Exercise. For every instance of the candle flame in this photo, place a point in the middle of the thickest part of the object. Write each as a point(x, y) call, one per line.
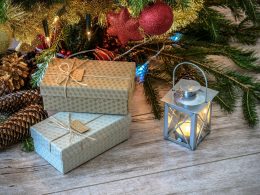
point(185, 128)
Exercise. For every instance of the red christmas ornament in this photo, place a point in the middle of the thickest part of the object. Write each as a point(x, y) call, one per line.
point(103, 54)
point(156, 19)
point(124, 27)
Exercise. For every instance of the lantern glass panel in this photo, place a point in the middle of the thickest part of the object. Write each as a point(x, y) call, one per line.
point(205, 113)
point(203, 123)
point(179, 126)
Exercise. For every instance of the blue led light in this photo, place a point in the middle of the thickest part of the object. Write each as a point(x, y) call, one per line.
point(176, 37)
point(141, 71)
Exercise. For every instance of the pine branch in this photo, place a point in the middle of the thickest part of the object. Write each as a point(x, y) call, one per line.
point(45, 57)
point(248, 6)
point(194, 50)
point(161, 77)
point(28, 145)
point(213, 26)
point(223, 104)
point(181, 3)
point(249, 108)
point(227, 96)
point(76, 38)
point(152, 96)
point(242, 58)
point(3, 16)
point(28, 4)
point(137, 5)
point(210, 21)
point(39, 74)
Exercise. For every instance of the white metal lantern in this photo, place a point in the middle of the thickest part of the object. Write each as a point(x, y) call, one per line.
point(187, 114)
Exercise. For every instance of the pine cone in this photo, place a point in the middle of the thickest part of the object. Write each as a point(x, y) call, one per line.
point(15, 101)
point(16, 128)
point(3, 118)
point(4, 88)
point(13, 71)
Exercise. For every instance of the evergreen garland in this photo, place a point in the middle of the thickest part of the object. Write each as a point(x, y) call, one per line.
point(28, 4)
point(3, 16)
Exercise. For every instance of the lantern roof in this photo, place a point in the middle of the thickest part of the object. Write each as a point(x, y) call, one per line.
point(193, 107)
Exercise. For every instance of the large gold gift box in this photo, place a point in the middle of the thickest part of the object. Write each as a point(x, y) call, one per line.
point(92, 86)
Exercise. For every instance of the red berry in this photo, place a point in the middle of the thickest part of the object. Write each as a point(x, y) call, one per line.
point(63, 52)
point(68, 53)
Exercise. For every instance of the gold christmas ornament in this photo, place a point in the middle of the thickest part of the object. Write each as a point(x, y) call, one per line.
point(185, 16)
point(5, 37)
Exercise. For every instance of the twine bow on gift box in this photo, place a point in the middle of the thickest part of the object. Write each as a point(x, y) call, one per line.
point(72, 72)
point(75, 127)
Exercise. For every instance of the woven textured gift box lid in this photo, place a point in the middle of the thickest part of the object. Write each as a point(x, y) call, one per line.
point(66, 151)
point(101, 79)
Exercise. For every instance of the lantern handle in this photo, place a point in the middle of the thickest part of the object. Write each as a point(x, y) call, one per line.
point(189, 63)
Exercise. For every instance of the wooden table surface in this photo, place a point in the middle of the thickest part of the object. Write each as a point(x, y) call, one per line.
point(227, 161)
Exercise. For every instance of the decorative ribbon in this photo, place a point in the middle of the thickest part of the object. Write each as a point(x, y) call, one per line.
point(69, 129)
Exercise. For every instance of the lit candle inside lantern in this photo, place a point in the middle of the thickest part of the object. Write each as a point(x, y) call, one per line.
point(184, 130)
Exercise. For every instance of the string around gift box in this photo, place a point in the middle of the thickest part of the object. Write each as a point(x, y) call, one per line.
point(68, 75)
point(69, 129)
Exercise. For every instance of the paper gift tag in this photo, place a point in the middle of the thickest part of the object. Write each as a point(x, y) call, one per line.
point(78, 74)
point(79, 126)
